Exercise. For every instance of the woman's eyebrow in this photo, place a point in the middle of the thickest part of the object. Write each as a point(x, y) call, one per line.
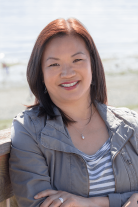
point(52, 58)
point(77, 54)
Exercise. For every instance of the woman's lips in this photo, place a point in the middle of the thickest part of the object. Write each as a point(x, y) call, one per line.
point(69, 82)
point(69, 85)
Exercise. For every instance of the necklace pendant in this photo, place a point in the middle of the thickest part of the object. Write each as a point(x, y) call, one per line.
point(82, 136)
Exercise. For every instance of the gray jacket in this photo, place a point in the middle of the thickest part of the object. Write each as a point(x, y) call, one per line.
point(44, 157)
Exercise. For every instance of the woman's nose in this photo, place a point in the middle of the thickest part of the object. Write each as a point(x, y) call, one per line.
point(67, 72)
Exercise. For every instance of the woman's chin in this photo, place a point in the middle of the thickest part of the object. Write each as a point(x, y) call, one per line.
point(72, 98)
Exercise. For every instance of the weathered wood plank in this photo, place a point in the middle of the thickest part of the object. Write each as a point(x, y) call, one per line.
point(8, 202)
point(6, 191)
point(5, 141)
point(12, 202)
point(5, 183)
point(3, 204)
point(5, 133)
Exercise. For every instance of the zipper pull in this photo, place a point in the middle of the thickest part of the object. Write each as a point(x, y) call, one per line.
point(126, 158)
point(129, 162)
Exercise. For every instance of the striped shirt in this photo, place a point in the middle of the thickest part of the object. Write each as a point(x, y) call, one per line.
point(99, 165)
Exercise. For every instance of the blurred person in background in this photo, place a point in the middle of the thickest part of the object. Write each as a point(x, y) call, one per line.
point(5, 67)
point(70, 148)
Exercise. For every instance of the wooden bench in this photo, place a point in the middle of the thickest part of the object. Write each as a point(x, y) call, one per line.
point(7, 198)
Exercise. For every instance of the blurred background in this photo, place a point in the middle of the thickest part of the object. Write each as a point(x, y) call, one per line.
point(113, 24)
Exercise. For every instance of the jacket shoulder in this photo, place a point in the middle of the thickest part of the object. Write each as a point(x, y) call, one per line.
point(32, 113)
point(129, 116)
point(29, 121)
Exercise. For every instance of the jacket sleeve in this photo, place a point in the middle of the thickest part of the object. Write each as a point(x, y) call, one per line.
point(119, 199)
point(27, 165)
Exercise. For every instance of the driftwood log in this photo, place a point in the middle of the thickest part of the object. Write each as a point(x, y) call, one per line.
point(7, 198)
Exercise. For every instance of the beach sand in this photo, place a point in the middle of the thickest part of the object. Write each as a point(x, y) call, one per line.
point(13, 101)
point(122, 91)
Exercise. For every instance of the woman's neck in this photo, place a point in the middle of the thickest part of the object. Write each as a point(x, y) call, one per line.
point(79, 110)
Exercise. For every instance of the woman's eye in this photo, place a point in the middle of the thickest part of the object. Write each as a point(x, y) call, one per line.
point(77, 60)
point(55, 64)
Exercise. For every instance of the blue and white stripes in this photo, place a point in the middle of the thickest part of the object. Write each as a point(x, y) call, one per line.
point(100, 171)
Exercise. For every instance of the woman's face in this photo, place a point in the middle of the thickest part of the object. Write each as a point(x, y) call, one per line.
point(66, 69)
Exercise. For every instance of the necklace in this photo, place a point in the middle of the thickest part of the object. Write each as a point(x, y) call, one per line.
point(82, 136)
point(81, 133)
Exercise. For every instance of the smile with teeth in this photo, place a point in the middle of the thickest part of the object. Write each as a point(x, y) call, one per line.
point(69, 85)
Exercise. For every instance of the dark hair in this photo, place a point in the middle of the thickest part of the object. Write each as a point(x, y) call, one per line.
point(34, 70)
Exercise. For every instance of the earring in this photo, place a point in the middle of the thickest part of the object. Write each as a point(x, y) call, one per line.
point(45, 91)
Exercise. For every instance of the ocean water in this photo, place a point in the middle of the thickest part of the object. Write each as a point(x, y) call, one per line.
point(113, 24)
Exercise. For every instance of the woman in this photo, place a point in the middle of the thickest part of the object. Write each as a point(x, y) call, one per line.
point(70, 149)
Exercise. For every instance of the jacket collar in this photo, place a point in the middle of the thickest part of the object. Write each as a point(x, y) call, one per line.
point(109, 118)
point(58, 122)
point(120, 131)
point(55, 131)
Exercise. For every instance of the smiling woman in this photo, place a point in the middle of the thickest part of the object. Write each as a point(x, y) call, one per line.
point(70, 148)
point(66, 67)
point(71, 39)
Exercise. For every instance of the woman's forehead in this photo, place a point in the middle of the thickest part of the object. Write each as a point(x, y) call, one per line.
point(67, 43)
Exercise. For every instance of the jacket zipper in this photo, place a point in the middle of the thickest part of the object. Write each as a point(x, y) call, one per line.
point(131, 169)
point(112, 163)
point(113, 170)
point(114, 159)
